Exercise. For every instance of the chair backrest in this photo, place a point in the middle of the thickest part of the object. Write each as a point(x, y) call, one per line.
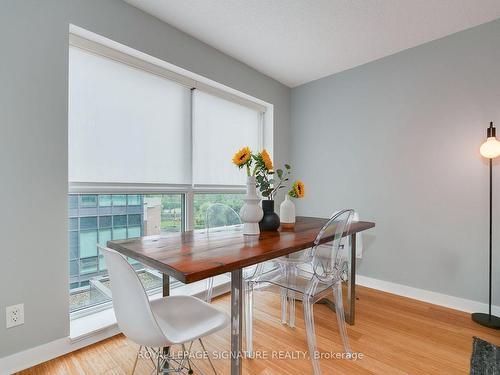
point(327, 255)
point(221, 217)
point(130, 301)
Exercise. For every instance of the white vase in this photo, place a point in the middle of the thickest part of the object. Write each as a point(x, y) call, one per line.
point(251, 213)
point(287, 213)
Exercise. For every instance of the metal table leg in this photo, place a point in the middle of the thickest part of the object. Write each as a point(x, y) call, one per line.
point(166, 293)
point(236, 320)
point(351, 291)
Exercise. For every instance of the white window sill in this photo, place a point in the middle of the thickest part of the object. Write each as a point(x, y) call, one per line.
point(102, 324)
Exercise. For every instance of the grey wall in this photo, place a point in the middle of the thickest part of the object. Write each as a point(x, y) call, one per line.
point(33, 141)
point(398, 139)
point(33, 169)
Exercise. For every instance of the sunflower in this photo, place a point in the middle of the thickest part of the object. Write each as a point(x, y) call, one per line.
point(298, 190)
point(242, 156)
point(267, 160)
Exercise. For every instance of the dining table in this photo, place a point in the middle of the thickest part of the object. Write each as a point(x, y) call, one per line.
point(194, 255)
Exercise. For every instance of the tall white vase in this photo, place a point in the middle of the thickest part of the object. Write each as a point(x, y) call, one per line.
point(251, 213)
point(287, 213)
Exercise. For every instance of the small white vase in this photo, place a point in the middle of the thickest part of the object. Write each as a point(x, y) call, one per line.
point(251, 213)
point(287, 213)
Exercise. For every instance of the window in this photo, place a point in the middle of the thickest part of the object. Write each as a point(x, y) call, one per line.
point(203, 201)
point(149, 152)
point(138, 215)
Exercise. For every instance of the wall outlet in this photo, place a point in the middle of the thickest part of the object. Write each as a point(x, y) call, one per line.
point(14, 315)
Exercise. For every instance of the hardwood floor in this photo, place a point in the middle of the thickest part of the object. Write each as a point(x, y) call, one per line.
point(396, 336)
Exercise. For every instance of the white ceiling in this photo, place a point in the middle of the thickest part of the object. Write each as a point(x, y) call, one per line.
point(297, 41)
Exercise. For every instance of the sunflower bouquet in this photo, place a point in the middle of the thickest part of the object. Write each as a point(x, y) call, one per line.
point(269, 181)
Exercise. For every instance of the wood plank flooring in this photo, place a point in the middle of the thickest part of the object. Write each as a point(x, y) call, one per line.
point(396, 335)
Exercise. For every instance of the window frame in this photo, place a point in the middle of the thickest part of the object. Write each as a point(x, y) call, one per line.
point(188, 191)
point(187, 222)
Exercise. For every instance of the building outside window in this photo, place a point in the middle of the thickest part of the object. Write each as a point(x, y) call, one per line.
point(98, 218)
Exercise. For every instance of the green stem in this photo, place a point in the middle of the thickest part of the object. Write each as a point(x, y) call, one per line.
point(254, 170)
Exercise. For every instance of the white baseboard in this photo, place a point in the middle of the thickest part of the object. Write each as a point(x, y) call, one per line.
point(34, 356)
point(445, 300)
point(31, 357)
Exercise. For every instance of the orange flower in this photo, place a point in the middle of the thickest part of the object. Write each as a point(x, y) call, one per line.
point(267, 160)
point(298, 190)
point(242, 156)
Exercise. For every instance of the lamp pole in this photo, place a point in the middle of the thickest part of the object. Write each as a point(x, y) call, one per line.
point(491, 235)
point(490, 149)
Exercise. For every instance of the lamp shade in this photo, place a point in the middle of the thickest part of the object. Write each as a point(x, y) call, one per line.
point(491, 148)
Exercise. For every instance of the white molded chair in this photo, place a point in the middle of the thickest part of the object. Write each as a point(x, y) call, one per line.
point(311, 274)
point(161, 323)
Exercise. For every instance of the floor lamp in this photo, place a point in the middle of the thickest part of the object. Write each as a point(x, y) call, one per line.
point(490, 150)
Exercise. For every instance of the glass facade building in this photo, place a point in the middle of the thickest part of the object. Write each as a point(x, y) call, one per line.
point(97, 218)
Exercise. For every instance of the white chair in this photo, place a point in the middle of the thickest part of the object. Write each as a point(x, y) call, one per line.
point(174, 320)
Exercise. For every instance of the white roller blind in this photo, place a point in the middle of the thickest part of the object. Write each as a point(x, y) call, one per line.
point(220, 128)
point(126, 125)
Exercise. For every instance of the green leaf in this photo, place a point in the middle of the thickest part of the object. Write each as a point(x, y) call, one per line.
point(279, 172)
point(287, 166)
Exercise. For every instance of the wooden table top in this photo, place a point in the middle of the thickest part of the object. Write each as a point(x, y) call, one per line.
point(193, 255)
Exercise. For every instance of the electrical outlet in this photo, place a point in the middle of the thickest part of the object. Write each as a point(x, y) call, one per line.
point(14, 315)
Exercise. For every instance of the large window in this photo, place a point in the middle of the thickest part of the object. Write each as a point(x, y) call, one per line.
point(203, 201)
point(98, 218)
point(149, 152)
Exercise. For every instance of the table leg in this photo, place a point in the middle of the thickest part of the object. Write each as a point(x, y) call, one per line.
point(166, 293)
point(351, 287)
point(236, 320)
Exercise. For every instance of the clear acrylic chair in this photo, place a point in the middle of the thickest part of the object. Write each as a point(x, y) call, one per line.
point(286, 263)
point(168, 321)
point(218, 218)
point(311, 275)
